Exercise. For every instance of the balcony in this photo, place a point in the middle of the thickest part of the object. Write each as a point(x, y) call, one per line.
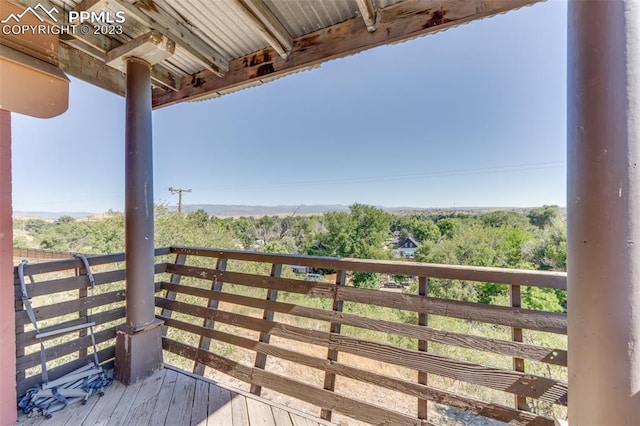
point(241, 329)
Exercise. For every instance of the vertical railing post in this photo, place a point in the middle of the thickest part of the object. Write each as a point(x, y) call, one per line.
point(516, 336)
point(82, 293)
point(205, 342)
point(423, 320)
point(181, 259)
point(261, 359)
point(332, 354)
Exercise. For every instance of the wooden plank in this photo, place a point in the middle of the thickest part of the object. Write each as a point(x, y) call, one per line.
point(259, 413)
point(392, 383)
point(44, 288)
point(259, 281)
point(267, 315)
point(552, 322)
point(200, 410)
point(332, 354)
point(73, 263)
point(124, 406)
point(71, 306)
point(174, 279)
point(536, 353)
point(239, 414)
point(320, 397)
point(301, 421)
point(149, 391)
point(503, 315)
point(205, 342)
point(282, 417)
point(546, 279)
point(107, 404)
point(181, 401)
point(163, 401)
point(543, 388)
point(423, 377)
point(219, 405)
point(54, 352)
point(28, 338)
point(146, 399)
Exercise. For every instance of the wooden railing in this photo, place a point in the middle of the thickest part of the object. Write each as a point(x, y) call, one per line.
point(61, 297)
point(376, 356)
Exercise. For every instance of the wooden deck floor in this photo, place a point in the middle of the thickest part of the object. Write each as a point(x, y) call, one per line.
point(174, 398)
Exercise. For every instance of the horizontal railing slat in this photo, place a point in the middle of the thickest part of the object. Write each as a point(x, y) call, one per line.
point(33, 359)
point(535, 353)
point(543, 388)
point(497, 411)
point(29, 337)
point(70, 306)
point(354, 408)
point(48, 287)
point(557, 280)
point(502, 315)
point(73, 263)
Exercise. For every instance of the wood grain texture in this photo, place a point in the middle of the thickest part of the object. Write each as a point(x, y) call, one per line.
point(548, 390)
point(532, 352)
point(392, 383)
point(219, 406)
point(530, 278)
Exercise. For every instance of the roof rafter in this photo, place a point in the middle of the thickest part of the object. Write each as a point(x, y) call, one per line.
point(268, 25)
point(402, 21)
point(368, 13)
point(181, 34)
point(97, 46)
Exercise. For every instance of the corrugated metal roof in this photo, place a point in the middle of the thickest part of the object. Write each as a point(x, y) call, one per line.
point(213, 36)
point(302, 16)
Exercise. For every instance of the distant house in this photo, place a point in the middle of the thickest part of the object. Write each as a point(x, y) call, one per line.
point(407, 247)
point(299, 270)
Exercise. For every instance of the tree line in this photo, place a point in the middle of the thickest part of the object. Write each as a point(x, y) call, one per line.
point(527, 239)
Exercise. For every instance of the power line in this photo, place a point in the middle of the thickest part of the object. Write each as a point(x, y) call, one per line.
point(179, 191)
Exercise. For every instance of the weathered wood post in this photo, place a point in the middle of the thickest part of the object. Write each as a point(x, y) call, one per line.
point(603, 204)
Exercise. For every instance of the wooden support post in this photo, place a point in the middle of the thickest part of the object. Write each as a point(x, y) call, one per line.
point(332, 355)
point(261, 359)
point(423, 404)
point(181, 259)
point(205, 342)
point(516, 336)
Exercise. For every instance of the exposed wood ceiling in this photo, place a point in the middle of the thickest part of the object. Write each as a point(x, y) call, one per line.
point(225, 45)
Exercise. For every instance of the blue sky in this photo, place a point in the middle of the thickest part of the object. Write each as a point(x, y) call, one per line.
point(474, 116)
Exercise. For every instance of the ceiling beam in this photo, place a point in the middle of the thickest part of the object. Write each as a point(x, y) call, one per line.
point(368, 13)
point(92, 70)
point(268, 25)
point(160, 76)
point(402, 21)
point(182, 35)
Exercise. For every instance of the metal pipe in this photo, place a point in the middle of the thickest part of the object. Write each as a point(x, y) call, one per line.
point(603, 203)
point(139, 196)
point(8, 410)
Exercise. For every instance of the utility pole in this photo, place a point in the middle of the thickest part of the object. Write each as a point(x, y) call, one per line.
point(179, 191)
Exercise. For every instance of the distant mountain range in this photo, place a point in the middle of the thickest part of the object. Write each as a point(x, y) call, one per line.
point(228, 210)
